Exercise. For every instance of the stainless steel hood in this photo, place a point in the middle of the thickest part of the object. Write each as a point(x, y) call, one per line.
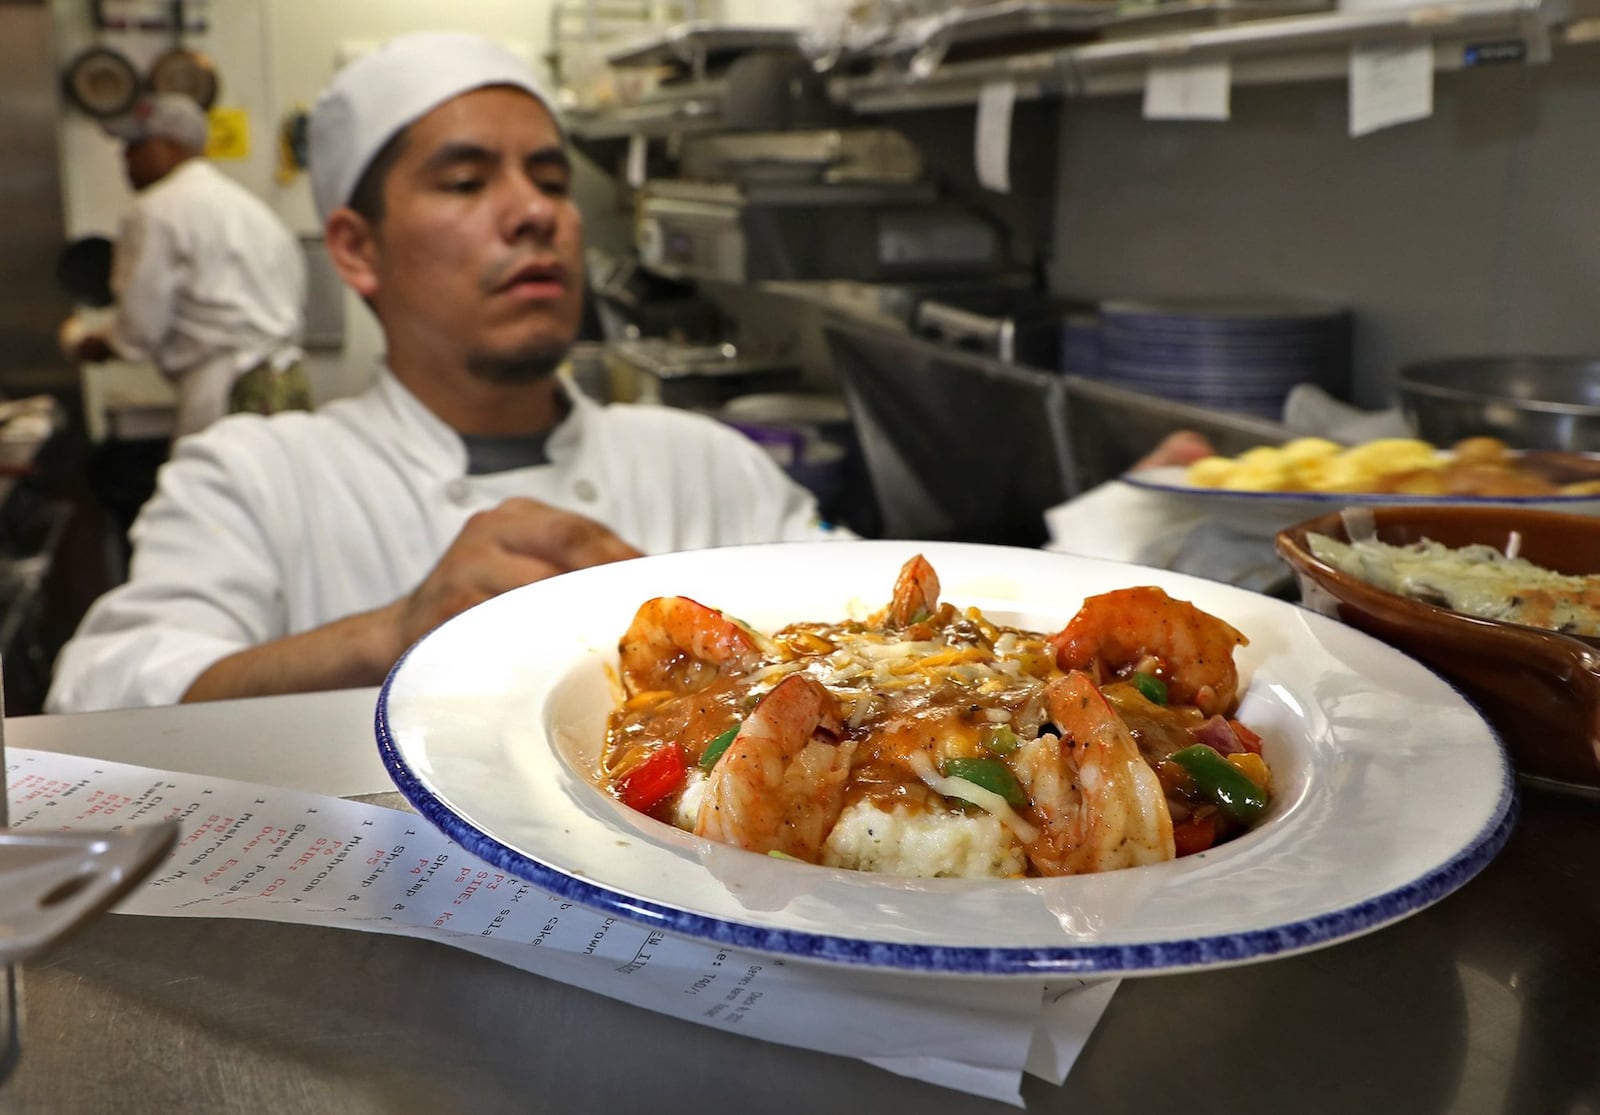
point(715, 77)
point(869, 232)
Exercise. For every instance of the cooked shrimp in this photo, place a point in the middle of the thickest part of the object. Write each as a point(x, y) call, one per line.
point(1099, 804)
point(916, 592)
point(1143, 628)
point(780, 785)
point(674, 643)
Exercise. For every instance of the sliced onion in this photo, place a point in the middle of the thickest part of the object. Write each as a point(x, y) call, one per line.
point(987, 800)
point(1219, 735)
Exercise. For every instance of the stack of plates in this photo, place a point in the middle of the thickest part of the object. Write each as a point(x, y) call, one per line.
point(1235, 356)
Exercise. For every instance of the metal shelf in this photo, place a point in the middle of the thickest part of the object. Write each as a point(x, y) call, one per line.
point(1276, 50)
point(696, 108)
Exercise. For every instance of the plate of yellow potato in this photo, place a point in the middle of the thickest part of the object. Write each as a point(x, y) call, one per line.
point(1270, 487)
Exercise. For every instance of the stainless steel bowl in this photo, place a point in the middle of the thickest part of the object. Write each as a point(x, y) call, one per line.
point(1529, 402)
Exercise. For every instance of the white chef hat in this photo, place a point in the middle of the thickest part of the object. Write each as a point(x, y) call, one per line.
point(378, 94)
point(166, 115)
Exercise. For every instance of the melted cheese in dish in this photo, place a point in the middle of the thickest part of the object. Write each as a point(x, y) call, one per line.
point(1474, 580)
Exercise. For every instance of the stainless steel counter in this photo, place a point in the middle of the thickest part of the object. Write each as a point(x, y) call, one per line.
point(1485, 1002)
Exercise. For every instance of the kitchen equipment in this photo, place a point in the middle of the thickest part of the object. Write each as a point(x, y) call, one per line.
point(102, 82)
point(1014, 327)
point(701, 47)
point(974, 32)
point(808, 433)
point(1529, 402)
point(964, 446)
point(814, 155)
point(760, 231)
point(631, 302)
point(186, 72)
point(31, 154)
point(715, 77)
point(1540, 689)
point(703, 376)
point(54, 882)
point(181, 70)
point(1239, 355)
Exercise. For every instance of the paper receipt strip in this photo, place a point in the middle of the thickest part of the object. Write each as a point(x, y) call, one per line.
point(251, 851)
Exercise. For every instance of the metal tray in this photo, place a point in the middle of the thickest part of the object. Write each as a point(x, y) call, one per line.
point(693, 45)
point(53, 882)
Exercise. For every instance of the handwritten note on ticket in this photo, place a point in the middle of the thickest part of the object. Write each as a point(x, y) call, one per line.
point(251, 851)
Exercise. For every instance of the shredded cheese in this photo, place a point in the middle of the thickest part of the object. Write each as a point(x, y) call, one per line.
point(987, 800)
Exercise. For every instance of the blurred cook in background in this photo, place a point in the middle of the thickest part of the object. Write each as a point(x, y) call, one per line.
point(302, 552)
point(209, 283)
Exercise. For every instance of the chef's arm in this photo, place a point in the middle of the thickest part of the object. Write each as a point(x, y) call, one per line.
point(516, 543)
point(347, 654)
point(82, 344)
point(149, 269)
point(1181, 447)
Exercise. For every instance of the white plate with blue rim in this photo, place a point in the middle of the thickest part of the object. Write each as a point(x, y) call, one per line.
point(1264, 514)
point(1389, 789)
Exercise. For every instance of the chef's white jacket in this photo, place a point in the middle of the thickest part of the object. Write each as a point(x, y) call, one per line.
point(266, 527)
point(209, 283)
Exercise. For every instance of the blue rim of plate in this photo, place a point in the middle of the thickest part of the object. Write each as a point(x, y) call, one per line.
point(1149, 958)
point(1350, 498)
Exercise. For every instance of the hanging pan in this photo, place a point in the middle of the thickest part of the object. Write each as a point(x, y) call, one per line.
point(102, 82)
point(184, 71)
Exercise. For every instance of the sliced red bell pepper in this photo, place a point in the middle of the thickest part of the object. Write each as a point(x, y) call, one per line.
point(1247, 739)
point(1194, 835)
point(654, 780)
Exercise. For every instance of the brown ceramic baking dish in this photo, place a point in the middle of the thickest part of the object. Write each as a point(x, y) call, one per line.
point(1540, 689)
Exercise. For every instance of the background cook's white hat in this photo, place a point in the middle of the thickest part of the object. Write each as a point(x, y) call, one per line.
point(165, 115)
point(378, 94)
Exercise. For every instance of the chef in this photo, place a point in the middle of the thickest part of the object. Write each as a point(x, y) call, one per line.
point(209, 283)
point(307, 551)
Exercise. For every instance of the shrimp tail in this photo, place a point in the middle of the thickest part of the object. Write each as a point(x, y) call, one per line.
point(779, 787)
point(1101, 805)
point(916, 593)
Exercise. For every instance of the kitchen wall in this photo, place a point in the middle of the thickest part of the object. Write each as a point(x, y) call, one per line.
point(1476, 231)
point(274, 56)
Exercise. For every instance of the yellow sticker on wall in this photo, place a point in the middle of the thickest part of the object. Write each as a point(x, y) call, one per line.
point(230, 134)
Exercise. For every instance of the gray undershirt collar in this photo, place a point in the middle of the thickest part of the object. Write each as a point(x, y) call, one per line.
point(488, 454)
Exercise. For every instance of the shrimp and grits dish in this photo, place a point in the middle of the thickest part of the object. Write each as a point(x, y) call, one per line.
point(927, 740)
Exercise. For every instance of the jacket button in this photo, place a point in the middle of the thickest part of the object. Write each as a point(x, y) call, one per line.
point(586, 491)
point(458, 490)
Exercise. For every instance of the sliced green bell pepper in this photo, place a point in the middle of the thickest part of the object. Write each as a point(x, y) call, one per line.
point(1153, 688)
point(1223, 783)
point(987, 774)
point(1000, 740)
point(714, 749)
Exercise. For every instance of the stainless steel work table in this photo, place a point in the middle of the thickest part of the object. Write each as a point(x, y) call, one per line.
point(1488, 1001)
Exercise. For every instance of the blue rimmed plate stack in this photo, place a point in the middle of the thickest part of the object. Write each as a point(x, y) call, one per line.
point(1240, 356)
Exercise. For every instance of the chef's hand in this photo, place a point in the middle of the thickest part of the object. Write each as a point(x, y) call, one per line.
point(1182, 447)
point(514, 544)
point(79, 343)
